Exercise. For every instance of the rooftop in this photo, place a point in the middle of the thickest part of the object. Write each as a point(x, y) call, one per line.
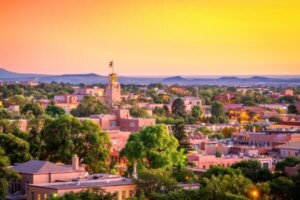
point(86, 183)
point(291, 145)
point(41, 167)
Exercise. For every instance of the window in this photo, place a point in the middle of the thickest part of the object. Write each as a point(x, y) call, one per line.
point(266, 165)
point(38, 196)
point(45, 196)
point(32, 195)
point(132, 124)
point(113, 123)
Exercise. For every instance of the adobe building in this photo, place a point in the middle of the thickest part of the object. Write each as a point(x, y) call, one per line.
point(204, 162)
point(289, 149)
point(120, 119)
point(42, 179)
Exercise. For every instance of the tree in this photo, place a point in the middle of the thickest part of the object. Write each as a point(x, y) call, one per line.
point(17, 100)
point(155, 180)
point(138, 112)
point(88, 194)
point(54, 111)
point(90, 105)
point(225, 187)
point(217, 109)
point(227, 131)
point(178, 108)
point(4, 114)
point(66, 135)
point(35, 126)
point(218, 113)
point(292, 109)
point(220, 171)
point(153, 147)
point(218, 154)
point(33, 108)
point(185, 175)
point(282, 188)
point(181, 135)
point(16, 149)
point(288, 162)
point(6, 174)
point(196, 112)
point(253, 170)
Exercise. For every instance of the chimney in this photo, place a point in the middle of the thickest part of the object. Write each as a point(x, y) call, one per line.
point(75, 162)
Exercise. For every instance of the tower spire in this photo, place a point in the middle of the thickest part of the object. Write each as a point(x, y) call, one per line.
point(111, 65)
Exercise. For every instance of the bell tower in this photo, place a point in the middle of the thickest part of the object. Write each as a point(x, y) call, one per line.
point(113, 89)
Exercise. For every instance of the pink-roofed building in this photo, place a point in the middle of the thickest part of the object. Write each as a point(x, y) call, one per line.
point(189, 102)
point(66, 101)
point(289, 149)
point(204, 162)
point(120, 119)
point(225, 97)
point(263, 139)
point(287, 92)
point(37, 172)
point(80, 93)
point(43, 179)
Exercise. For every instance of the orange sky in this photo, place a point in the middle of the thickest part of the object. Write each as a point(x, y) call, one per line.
point(151, 37)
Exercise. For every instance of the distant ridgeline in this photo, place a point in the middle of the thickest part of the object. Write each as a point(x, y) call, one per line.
point(92, 78)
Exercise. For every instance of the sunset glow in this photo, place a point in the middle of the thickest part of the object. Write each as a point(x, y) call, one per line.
point(192, 37)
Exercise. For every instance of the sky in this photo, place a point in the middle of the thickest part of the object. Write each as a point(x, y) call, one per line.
point(151, 37)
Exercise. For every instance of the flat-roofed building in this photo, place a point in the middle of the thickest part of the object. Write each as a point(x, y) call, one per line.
point(289, 149)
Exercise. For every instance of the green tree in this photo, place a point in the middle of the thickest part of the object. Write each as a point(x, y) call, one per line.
point(181, 135)
point(217, 109)
point(16, 149)
point(196, 112)
point(152, 181)
point(218, 113)
point(225, 187)
point(54, 111)
point(227, 131)
point(66, 135)
point(153, 147)
point(185, 175)
point(164, 111)
point(292, 109)
point(4, 114)
point(288, 162)
point(6, 174)
point(282, 188)
point(35, 126)
point(218, 154)
point(138, 112)
point(88, 194)
point(220, 171)
point(253, 170)
point(33, 108)
point(90, 105)
point(17, 100)
point(178, 108)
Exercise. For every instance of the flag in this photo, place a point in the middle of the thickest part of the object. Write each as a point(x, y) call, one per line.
point(111, 63)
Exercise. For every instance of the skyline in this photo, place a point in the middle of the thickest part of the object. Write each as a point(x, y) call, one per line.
point(155, 38)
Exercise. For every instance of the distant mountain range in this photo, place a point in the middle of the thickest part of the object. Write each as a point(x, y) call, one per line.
point(92, 78)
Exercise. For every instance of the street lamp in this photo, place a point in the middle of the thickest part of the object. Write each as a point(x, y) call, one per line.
point(254, 193)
